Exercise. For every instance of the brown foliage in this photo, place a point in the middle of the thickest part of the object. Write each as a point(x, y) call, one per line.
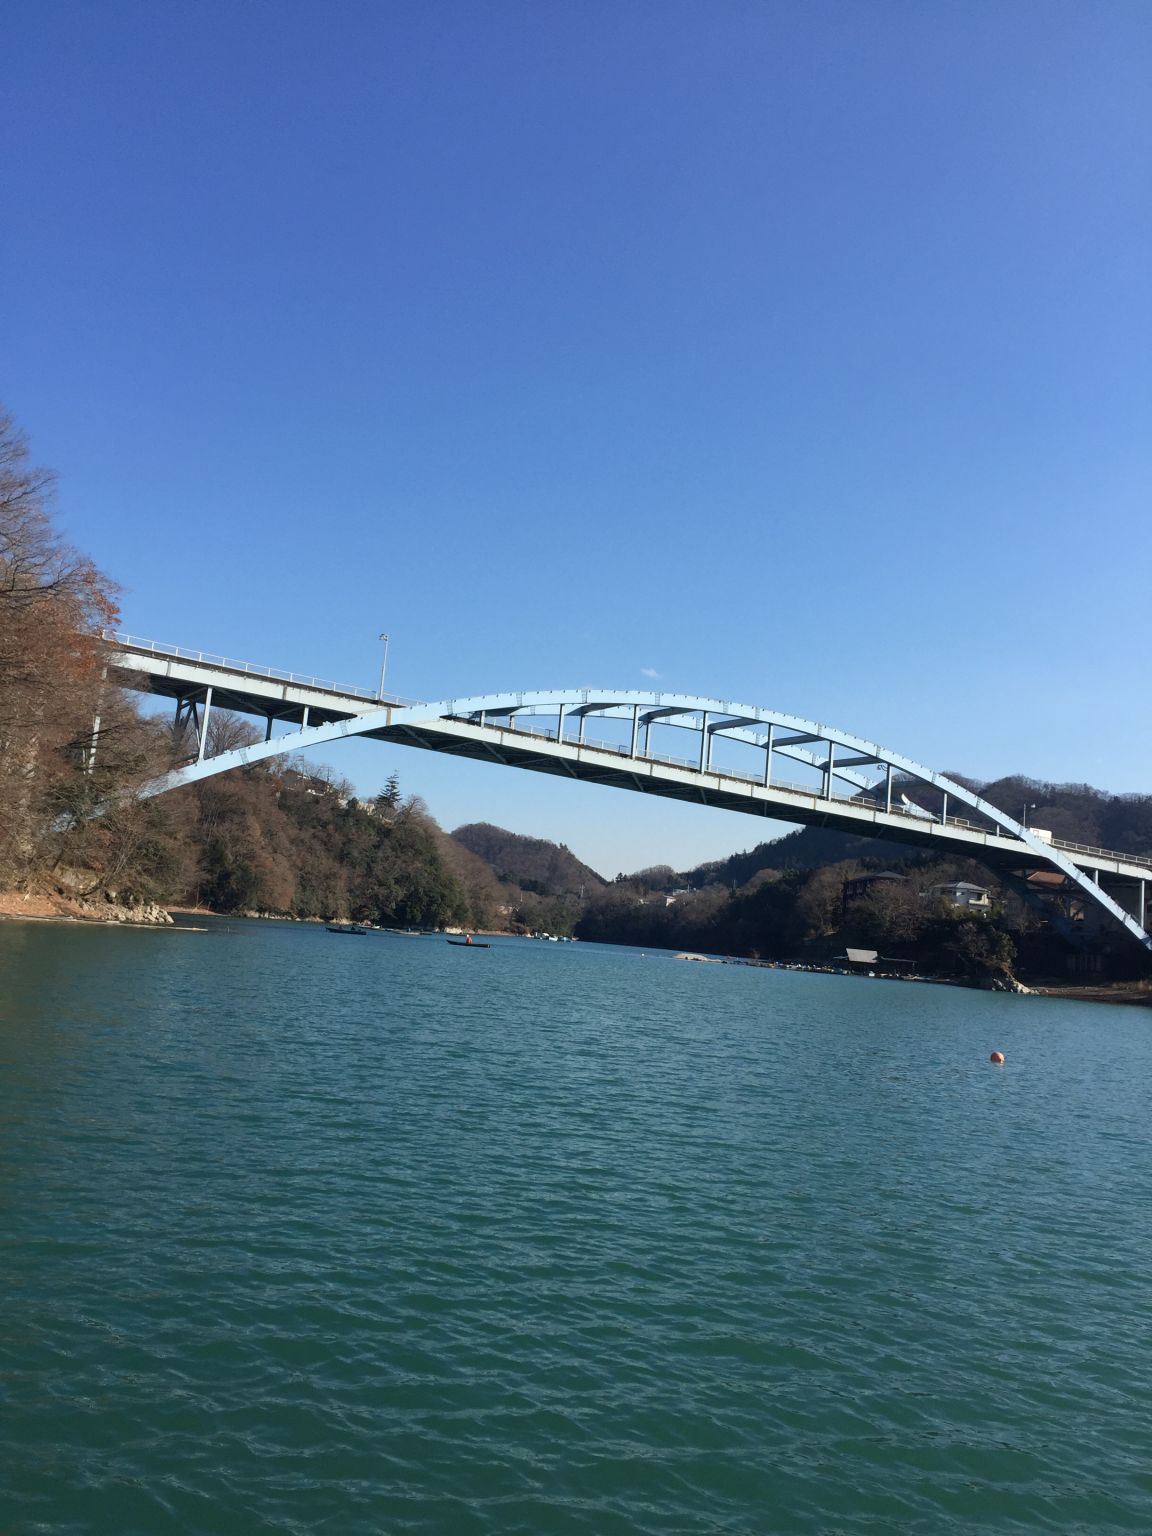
point(53, 602)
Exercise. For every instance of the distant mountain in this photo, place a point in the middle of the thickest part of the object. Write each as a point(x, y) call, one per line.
point(1075, 812)
point(531, 863)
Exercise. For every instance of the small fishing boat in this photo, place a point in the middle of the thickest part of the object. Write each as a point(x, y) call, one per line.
point(346, 928)
point(468, 944)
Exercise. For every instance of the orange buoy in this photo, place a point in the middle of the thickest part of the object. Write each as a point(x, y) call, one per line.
point(998, 1058)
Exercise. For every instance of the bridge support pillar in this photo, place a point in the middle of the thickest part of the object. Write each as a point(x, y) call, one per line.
point(888, 789)
point(705, 742)
point(768, 756)
point(186, 715)
point(91, 763)
point(635, 729)
point(1133, 897)
point(560, 725)
point(203, 744)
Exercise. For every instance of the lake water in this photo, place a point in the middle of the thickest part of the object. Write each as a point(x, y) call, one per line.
point(307, 1233)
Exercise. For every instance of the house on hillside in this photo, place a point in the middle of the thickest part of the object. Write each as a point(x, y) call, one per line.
point(862, 885)
point(1059, 892)
point(962, 893)
point(310, 784)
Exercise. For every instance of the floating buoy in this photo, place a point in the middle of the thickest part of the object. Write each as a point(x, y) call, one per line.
point(998, 1058)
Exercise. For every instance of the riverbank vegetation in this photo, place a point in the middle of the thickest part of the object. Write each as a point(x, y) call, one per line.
point(55, 702)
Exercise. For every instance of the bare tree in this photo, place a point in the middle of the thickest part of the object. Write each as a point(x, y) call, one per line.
point(52, 604)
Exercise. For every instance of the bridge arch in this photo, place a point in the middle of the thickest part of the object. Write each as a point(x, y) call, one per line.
point(499, 727)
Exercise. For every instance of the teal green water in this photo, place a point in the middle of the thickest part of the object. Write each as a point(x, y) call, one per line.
point(305, 1233)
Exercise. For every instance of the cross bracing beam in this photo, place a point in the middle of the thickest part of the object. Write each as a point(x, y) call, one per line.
point(463, 727)
point(663, 713)
point(688, 717)
point(731, 723)
point(595, 707)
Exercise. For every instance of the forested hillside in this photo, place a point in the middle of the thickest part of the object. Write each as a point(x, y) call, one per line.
point(801, 914)
point(791, 899)
point(295, 842)
point(785, 899)
point(548, 869)
point(545, 886)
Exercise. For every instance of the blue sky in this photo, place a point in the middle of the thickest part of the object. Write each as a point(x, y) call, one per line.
point(798, 353)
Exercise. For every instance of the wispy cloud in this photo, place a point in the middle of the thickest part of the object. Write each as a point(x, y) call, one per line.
point(649, 672)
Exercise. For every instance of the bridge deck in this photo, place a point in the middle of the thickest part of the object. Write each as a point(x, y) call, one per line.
point(603, 763)
point(256, 691)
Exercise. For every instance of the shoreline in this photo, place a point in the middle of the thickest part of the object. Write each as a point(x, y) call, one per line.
point(16, 908)
point(64, 920)
point(37, 907)
point(1130, 994)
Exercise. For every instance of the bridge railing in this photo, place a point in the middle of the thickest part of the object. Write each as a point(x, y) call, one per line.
point(810, 790)
point(1101, 853)
point(246, 668)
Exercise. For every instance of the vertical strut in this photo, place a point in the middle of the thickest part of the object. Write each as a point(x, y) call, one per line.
point(204, 725)
point(768, 756)
point(96, 721)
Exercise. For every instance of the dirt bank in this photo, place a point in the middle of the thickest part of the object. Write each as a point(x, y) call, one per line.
point(1130, 992)
point(62, 906)
point(26, 904)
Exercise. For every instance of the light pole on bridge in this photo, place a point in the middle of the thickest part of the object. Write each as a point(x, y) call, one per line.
point(383, 667)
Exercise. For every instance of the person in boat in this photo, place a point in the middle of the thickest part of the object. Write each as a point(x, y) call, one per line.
point(467, 938)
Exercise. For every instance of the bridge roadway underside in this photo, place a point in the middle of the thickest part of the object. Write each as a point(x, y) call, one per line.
point(595, 765)
point(287, 703)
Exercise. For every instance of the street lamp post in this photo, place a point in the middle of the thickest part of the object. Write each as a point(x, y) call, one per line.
point(383, 667)
point(1029, 806)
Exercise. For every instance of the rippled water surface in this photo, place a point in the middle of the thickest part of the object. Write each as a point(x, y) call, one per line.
point(306, 1233)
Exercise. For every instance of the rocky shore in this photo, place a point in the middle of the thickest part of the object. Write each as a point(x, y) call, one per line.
point(60, 905)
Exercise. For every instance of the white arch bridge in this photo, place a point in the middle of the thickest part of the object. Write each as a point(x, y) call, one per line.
point(704, 751)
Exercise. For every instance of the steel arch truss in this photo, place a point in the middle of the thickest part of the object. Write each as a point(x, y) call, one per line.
point(791, 769)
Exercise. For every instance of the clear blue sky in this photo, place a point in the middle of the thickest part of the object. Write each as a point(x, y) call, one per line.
point(798, 353)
